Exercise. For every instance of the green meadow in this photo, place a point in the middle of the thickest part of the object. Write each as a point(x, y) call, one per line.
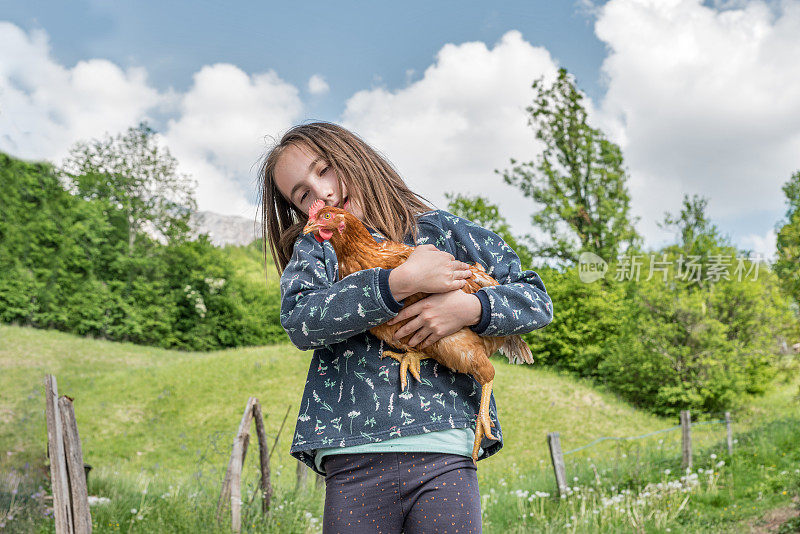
point(157, 427)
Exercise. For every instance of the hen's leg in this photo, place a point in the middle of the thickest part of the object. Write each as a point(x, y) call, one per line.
point(484, 423)
point(409, 361)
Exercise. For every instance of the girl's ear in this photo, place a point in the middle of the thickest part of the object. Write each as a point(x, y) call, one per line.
point(341, 226)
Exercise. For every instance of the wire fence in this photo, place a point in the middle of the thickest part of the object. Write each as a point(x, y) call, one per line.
point(632, 456)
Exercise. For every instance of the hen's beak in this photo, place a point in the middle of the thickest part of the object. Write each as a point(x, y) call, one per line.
point(310, 227)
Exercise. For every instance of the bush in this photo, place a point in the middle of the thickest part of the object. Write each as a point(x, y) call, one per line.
point(67, 263)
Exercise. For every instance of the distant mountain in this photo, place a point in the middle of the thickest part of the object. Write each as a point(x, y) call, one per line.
point(225, 229)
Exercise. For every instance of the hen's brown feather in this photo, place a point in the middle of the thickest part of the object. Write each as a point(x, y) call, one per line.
point(463, 351)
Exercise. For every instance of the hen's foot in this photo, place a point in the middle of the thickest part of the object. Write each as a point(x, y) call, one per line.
point(484, 424)
point(409, 361)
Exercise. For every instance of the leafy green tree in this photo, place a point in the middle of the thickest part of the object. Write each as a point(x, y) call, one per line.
point(578, 180)
point(703, 348)
point(66, 264)
point(586, 324)
point(787, 264)
point(479, 210)
point(140, 177)
point(699, 241)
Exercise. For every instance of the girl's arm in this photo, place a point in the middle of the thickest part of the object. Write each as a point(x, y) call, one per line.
point(316, 312)
point(520, 304)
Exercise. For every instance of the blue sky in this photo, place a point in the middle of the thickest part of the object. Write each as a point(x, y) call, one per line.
point(697, 94)
point(354, 45)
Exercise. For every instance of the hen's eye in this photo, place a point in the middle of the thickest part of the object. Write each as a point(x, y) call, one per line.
point(326, 216)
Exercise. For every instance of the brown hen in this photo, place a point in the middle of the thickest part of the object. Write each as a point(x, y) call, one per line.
point(463, 351)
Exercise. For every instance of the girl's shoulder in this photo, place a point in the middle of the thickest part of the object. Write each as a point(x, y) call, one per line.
point(445, 220)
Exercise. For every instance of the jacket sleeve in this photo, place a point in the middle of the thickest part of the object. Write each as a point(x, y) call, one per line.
point(317, 310)
point(520, 304)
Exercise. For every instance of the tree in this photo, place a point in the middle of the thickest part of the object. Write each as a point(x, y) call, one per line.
point(479, 210)
point(696, 232)
point(787, 264)
point(698, 238)
point(578, 179)
point(137, 175)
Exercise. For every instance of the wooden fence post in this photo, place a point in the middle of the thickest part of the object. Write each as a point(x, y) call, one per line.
point(62, 509)
point(728, 424)
point(302, 476)
point(554, 442)
point(232, 483)
point(266, 485)
point(81, 516)
point(686, 435)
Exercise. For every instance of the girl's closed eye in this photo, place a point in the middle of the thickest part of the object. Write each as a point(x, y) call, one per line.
point(303, 197)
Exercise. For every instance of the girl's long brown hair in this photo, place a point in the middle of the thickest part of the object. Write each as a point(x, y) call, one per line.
point(387, 203)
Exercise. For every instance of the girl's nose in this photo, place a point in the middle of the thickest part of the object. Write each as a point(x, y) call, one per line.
point(328, 197)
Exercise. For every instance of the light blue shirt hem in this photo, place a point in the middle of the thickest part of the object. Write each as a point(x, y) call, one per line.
point(452, 441)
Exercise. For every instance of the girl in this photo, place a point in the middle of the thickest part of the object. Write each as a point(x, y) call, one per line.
point(392, 461)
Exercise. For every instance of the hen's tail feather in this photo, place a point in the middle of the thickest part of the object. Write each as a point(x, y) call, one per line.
point(516, 350)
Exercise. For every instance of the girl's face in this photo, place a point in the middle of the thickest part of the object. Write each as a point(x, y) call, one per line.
point(302, 177)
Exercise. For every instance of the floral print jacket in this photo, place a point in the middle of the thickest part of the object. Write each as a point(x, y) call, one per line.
point(352, 395)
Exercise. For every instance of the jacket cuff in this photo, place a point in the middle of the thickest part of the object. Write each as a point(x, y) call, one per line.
point(386, 292)
point(486, 313)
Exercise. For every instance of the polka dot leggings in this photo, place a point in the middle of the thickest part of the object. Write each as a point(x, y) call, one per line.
point(394, 492)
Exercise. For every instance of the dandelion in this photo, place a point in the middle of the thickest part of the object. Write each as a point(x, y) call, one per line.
point(98, 500)
point(720, 463)
point(667, 471)
point(713, 456)
point(133, 511)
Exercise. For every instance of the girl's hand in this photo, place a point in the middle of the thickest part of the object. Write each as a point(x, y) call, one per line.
point(428, 270)
point(437, 316)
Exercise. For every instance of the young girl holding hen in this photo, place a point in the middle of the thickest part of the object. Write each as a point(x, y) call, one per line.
point(392, 461)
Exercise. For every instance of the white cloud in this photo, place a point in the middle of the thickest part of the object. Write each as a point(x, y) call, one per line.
point(317, 85)
point(462, 120)
point(220, 132)
point(45, 107)
point(703, 100)
point(762, 246)
point(217, 132)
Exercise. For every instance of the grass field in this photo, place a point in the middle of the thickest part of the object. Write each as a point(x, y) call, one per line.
point(163, 421)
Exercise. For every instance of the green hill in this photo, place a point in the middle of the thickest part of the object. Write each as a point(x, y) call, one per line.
point(143, 408)
point(151, 418)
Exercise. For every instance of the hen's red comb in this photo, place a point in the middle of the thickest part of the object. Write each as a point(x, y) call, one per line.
point(314, 209)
